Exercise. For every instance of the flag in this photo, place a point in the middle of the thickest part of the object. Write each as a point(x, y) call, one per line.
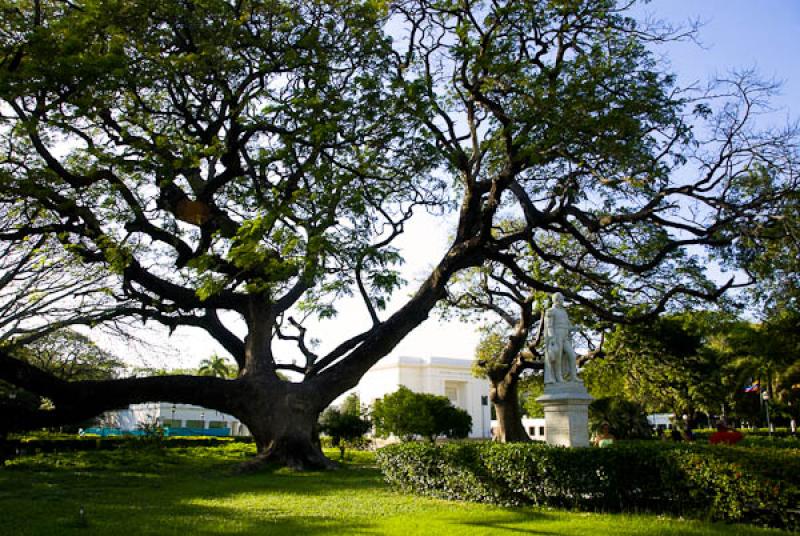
point(752, 388)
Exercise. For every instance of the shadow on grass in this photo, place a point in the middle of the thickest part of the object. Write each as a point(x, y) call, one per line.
point(501, 524)
point(172, 493)
point(198, 492)
point(207, 520)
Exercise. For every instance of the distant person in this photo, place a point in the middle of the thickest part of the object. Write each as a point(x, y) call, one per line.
point(725, 435)
point(604, 437)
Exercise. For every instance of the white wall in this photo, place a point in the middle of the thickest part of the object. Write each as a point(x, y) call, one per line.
point(535, 428)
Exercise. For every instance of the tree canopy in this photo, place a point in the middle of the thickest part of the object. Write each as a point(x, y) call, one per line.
point(699, 361)
point(255, 161)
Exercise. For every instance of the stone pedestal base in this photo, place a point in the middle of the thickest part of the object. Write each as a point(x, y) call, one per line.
point(566, 414)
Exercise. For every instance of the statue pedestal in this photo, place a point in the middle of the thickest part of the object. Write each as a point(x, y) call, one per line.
point(566, 414)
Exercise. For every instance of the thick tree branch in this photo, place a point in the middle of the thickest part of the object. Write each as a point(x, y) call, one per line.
point(75, 401)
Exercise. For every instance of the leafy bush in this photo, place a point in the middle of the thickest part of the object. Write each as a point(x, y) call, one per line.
point(406, 414)
point(153, 433)
point(786, 442)
point(721, 483)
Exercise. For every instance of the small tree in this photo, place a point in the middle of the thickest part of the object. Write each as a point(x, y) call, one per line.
point(351, 405)
point(216, 366)
point(343, 426)
point(406, 414)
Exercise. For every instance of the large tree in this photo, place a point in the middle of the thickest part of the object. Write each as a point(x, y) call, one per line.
point(257, 159)
point(514, 309)
point(511, 345)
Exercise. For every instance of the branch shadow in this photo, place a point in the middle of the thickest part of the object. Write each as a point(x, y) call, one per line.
point(143, 493)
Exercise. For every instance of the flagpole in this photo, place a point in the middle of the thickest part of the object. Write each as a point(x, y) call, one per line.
point(765, 397)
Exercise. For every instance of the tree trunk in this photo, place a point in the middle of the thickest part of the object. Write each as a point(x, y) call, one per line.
point(288, 440)
point(281, 416)
point(283, 422)
point(505, 397)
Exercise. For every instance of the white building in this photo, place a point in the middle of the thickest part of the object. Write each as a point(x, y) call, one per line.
point(434, 375)
point(534, 427)
point(664, 421)
point(175, 416)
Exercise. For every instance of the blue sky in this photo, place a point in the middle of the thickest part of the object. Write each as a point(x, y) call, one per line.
point(764, 34)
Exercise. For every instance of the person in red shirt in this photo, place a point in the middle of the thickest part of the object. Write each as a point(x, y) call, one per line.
point(725, 435)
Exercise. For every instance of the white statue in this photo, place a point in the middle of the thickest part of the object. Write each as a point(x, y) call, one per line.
point(558, 352)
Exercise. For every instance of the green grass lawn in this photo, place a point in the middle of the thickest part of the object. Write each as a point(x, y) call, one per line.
point(190, 491)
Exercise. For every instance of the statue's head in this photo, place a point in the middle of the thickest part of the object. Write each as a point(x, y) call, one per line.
point(558, 299)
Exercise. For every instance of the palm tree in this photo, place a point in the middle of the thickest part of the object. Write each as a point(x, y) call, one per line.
point(216, 366)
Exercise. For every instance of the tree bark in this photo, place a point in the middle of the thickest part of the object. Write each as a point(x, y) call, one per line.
point(283, 421)
point(504, 394)
point(281, 416)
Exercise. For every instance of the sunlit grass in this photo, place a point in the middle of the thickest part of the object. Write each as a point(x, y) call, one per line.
point(196, 490)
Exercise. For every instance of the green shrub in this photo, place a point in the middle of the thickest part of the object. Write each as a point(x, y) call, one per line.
point(720, 483)
point(451, 471)
point(778, 432)
point(344, 429)
point(407, 414)
point(785, 442)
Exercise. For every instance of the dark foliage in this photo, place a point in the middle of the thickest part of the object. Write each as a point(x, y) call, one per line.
point(626, 419)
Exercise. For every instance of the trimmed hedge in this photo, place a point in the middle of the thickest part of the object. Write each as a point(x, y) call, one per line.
point(788, 442)
point(712, 482)
point(782, 433)
point(69, 444)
